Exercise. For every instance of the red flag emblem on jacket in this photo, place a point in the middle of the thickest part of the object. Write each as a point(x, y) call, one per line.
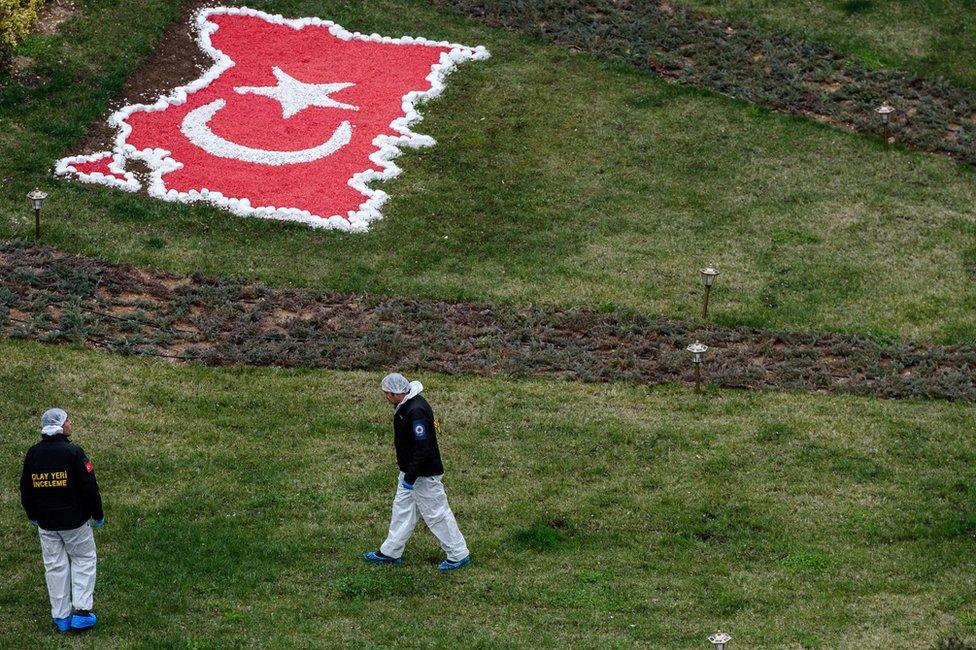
point(294, 121)
point(89, 467)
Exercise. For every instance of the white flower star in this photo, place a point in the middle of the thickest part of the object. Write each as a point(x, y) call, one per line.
point(296, 96)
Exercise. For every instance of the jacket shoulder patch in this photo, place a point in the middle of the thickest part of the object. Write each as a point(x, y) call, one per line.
point(89, 467)
point(419, 430)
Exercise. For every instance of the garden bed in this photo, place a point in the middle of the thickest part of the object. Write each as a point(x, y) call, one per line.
point(51, 296)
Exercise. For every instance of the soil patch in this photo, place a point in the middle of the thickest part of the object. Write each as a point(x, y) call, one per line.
point(52, 14)
point(47, 295)
point(780, 72)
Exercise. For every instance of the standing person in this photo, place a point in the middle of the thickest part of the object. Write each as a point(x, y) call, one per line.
point(420, 492)
point(60, 495)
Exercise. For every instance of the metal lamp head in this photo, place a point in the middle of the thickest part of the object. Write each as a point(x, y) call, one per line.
point(719, 639)
point(708, 275)
point(697, 349)
point(885, 112)
point(37, 198)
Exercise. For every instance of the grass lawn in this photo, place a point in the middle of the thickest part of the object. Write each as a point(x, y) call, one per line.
point(930, 37)
point(238, 502)
point(557, 179)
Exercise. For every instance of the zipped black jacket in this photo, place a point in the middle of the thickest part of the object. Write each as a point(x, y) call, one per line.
point(415, 440)
point(57, 487)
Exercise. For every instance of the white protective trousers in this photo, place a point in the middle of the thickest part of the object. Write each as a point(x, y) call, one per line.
point(69, 567)
point(427, 499)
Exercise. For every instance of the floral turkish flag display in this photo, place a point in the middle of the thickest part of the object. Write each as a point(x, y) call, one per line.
point(292, 122)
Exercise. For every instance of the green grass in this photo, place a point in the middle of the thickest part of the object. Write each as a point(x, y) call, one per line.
point(238, 502)
point(935, 38)
point(557, 179)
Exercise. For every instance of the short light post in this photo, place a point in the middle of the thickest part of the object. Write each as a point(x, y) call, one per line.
point(36, 199)
point(885, 111)
point(719, 640)
point(697, 349)
point(708, 275)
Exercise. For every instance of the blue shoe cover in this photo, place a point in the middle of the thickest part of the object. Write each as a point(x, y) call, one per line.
point(377, 558)
point(447, 565)
point(83, 621)
point(63, 624)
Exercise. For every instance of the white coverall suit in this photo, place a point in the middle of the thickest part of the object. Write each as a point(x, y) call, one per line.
point(69, 568)
point(426, 500)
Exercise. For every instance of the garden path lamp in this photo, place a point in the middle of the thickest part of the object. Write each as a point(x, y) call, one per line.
point(36, 199)
point(697, 349)
point(719, 639)
point(885, 111)
point(708, 275)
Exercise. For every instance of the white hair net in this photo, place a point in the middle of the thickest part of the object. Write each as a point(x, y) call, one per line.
point(395, 383)
point(52, 422)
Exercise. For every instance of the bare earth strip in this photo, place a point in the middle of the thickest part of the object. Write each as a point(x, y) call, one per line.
point(776, 71)
point(51, 296)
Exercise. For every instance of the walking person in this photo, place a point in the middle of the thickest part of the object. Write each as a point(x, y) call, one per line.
point(60, 496)
point(420, 492)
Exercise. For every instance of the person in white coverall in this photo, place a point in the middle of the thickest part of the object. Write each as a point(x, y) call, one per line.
point(420, 492)
point(60, 496)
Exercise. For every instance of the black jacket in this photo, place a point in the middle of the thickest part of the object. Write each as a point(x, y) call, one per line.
point(57, 487)
point(415, 440)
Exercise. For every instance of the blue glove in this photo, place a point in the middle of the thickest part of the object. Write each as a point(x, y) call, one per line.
point(99, 523)
point(33, 521)
point(407, 486)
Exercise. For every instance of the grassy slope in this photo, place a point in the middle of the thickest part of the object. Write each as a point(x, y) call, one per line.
point(556, 179)
point(931, 37)
point(238, 502)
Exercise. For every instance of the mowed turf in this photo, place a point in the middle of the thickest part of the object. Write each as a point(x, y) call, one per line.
point(556, 179)
point(238, 503)
point(932, 37)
